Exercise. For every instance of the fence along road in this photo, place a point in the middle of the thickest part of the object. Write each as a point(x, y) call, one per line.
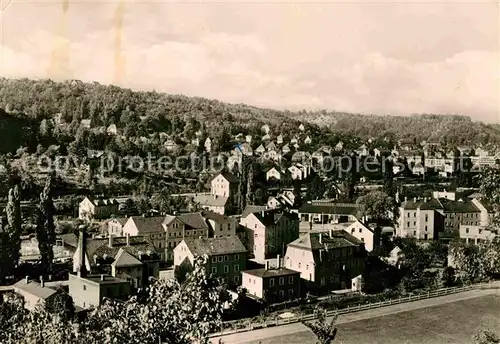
point(272, 328)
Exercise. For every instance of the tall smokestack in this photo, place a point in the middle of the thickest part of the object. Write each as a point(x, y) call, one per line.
point(110, 241)
point(81, 269)
point(278, 261)
point(267, 265)
point(127, 237)
point(320, 238)
point(42, 283)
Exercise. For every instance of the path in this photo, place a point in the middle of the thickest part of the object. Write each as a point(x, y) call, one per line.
point(266, 333)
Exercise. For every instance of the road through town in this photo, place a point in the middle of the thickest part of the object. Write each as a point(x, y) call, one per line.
point(271, 332)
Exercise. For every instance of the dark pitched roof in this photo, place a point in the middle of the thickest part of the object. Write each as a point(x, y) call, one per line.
point(215, 246)
point(210, 200)
point(340, 238)
point(427, 205)
point(329, 208)
point(273, 272)
point(103, 201)
point(459, 206)
point(409, 205)
point(268, 217)
point(231, 178)
point(219, 218)
point(431, 204)
point(148, 224)
point(34, 288)
point(125, 259)
point(120, 220)
point(100, 246)
point(193, 220)
point(249, 209)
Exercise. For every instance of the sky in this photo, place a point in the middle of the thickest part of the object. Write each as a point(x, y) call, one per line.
point(393, 58)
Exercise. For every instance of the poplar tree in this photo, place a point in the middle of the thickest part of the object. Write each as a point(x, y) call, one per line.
point(10, 233)
point(45, 224)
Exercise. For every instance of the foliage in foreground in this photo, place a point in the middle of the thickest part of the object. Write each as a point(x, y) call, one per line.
point(170, 313)
point(324, 330)
point(486, 337)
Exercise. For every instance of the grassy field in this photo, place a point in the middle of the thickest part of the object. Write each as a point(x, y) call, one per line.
point(453, 323)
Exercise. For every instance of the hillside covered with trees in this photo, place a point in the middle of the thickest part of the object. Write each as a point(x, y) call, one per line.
point(138, 114)
point(448, 129)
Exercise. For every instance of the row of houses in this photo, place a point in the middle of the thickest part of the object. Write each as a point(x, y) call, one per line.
point(426, 219)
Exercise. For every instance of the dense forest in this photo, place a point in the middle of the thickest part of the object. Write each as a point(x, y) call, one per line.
point(15, 131)
point(456, 130)
point(145, 114)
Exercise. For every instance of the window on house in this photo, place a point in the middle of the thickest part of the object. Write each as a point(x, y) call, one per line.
point(282, 280)
point(300, 265)
point(361, 230)
point(214, 259)
point(226, 258)
point(362, 239)
point(290, 293)
point(426, 218)
point(84, 287)
point(408, 224)
point(307, 266)
point(414, 232)
point(236, 257)
point(425, 227)
point(323, 282)
point(214, 270)
point(290, 279)
point(236, 279)
point(219, 259)
point(236, 268)
point(271, 282)
point(282, 294)
point(466, 230)
point(414, 223)
point(352, 231)
point(226, 269)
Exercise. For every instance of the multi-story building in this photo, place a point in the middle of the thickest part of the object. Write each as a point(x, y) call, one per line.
point(220, 225)
point(366, 234)
point(115, 256)
point(127, 272)
point(34, 293)
point(148, 226)
point(95, 208)
point(272, 285)
point(224, 184)
point(226, 256)
point(268, 231)
point(326, 262)
point(420, 219)
point(314, 214)
point(90, 290)
point(166, 232)
point(217, 204)
point(461, 212)
point(115, 226)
